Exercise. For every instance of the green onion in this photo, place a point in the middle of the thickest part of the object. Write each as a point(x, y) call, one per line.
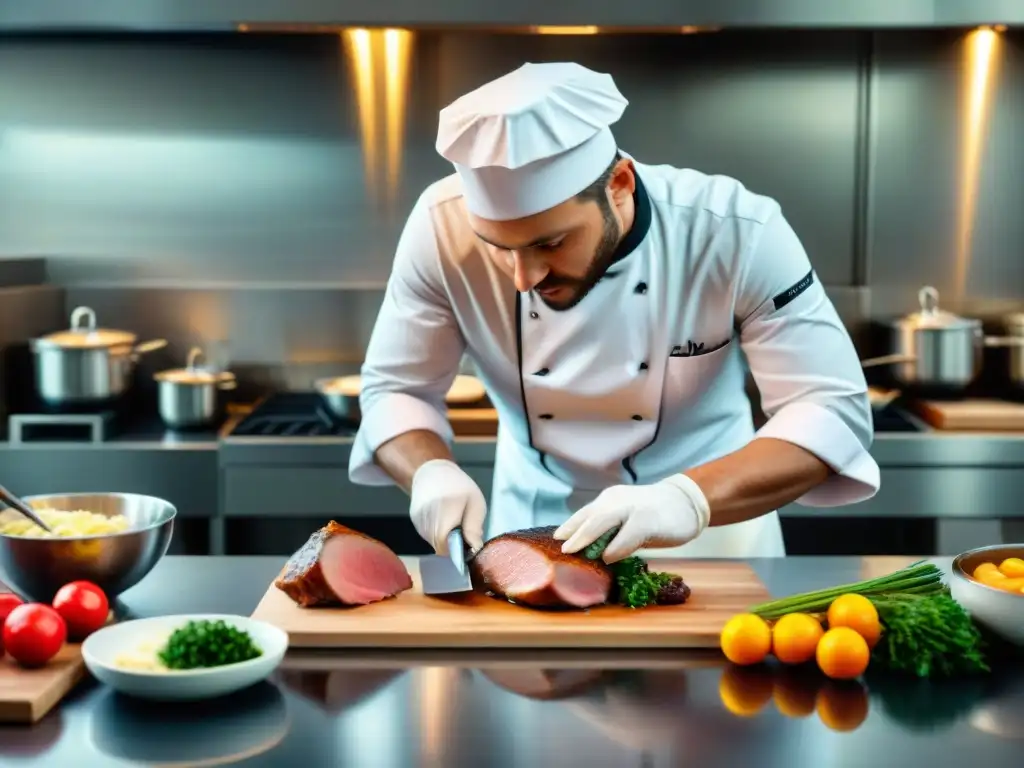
point(921, 578)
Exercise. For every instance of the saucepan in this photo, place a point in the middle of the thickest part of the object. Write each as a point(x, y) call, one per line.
point(188, 397)
point(948, 350)
point(86, 364)
point(341, 394)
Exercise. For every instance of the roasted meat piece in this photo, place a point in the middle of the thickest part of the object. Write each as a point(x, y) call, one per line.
point(340, 566)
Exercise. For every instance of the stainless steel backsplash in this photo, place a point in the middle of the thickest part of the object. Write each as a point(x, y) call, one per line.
point(213, 189)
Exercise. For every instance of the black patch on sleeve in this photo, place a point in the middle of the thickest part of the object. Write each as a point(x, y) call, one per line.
point(793, 291)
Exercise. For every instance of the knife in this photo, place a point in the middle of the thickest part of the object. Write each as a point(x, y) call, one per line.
point(442, 575)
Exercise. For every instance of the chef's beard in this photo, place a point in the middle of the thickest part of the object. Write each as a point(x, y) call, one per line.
point(604, 257)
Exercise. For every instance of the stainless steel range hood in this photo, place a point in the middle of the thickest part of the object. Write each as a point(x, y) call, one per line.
point(657, 15)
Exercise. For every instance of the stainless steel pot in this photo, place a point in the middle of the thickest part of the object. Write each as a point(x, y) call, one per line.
point(188, 396)
point(86, 364)
point(1015, 328)
point(947, 349)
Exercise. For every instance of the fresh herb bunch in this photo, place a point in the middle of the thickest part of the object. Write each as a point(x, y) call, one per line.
point(927, 636)
point(925, 632)
point(208, 644)
point(637, 586)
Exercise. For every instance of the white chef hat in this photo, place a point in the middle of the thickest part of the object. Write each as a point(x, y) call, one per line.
point(531, 139)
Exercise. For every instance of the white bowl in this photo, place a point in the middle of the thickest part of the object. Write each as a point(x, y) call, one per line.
point(101, 649)
point(1001, 612)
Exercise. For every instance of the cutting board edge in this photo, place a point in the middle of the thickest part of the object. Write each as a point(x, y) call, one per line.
point(607, 641)
point(25, 712)
point(560, 658)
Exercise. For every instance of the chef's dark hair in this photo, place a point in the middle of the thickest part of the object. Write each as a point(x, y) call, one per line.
point(596, 191)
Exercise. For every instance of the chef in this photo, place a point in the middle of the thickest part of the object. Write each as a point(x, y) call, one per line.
point(612, 310)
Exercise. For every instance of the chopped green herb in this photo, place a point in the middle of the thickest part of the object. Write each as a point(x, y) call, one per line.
point(204, 643)
point(636, 585)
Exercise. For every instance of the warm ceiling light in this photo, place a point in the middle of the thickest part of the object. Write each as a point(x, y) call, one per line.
point(379, 60)
point(582, 30)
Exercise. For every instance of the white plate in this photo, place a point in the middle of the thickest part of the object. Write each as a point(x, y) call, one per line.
point(101, 649)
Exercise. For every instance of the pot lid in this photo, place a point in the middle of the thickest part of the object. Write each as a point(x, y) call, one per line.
point(931, 317)
point(83, 334)
point(193, 373)
point(192, 376)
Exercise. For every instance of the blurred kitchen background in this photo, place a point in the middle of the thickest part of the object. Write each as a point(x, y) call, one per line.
point(243, 191)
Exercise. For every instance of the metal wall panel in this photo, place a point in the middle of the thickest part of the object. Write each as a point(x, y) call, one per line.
point(212, 189)
point(921, 178)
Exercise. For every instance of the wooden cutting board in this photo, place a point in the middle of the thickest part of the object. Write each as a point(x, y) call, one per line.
point(987, 415)
point(720, 589)
point(26, 695)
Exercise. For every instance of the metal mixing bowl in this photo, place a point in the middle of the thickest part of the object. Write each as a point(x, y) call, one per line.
point(1002, 612)
point(38, 567)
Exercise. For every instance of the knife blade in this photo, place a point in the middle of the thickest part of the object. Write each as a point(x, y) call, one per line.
point(457, 550)
point(445, 575)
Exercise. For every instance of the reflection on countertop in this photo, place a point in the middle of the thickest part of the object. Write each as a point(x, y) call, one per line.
point(507, 710)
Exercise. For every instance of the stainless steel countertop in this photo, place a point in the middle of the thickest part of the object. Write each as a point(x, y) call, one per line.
point(926, 448)
point(928, 474)
point(421, 709)
point(929, 448)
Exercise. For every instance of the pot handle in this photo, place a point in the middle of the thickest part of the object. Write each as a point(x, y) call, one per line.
point(85, 313)
point(928, 298)
point(149, 346)
point(226, 381)
point(1004, 341)
point(194, 356)
point(872, 362)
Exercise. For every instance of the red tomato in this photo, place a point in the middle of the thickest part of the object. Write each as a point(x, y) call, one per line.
point(83, 606)
point(34, 633)
point(8, 602)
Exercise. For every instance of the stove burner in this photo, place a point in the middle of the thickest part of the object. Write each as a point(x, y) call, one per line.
point(293, 414)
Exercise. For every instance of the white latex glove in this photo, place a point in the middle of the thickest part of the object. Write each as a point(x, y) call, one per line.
point(668, 513)
point(443, 498)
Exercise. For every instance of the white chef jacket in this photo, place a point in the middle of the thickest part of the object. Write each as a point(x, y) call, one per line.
point(644, 377)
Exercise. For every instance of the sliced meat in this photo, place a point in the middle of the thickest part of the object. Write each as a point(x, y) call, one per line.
point(339, 565)
point(529, 567)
